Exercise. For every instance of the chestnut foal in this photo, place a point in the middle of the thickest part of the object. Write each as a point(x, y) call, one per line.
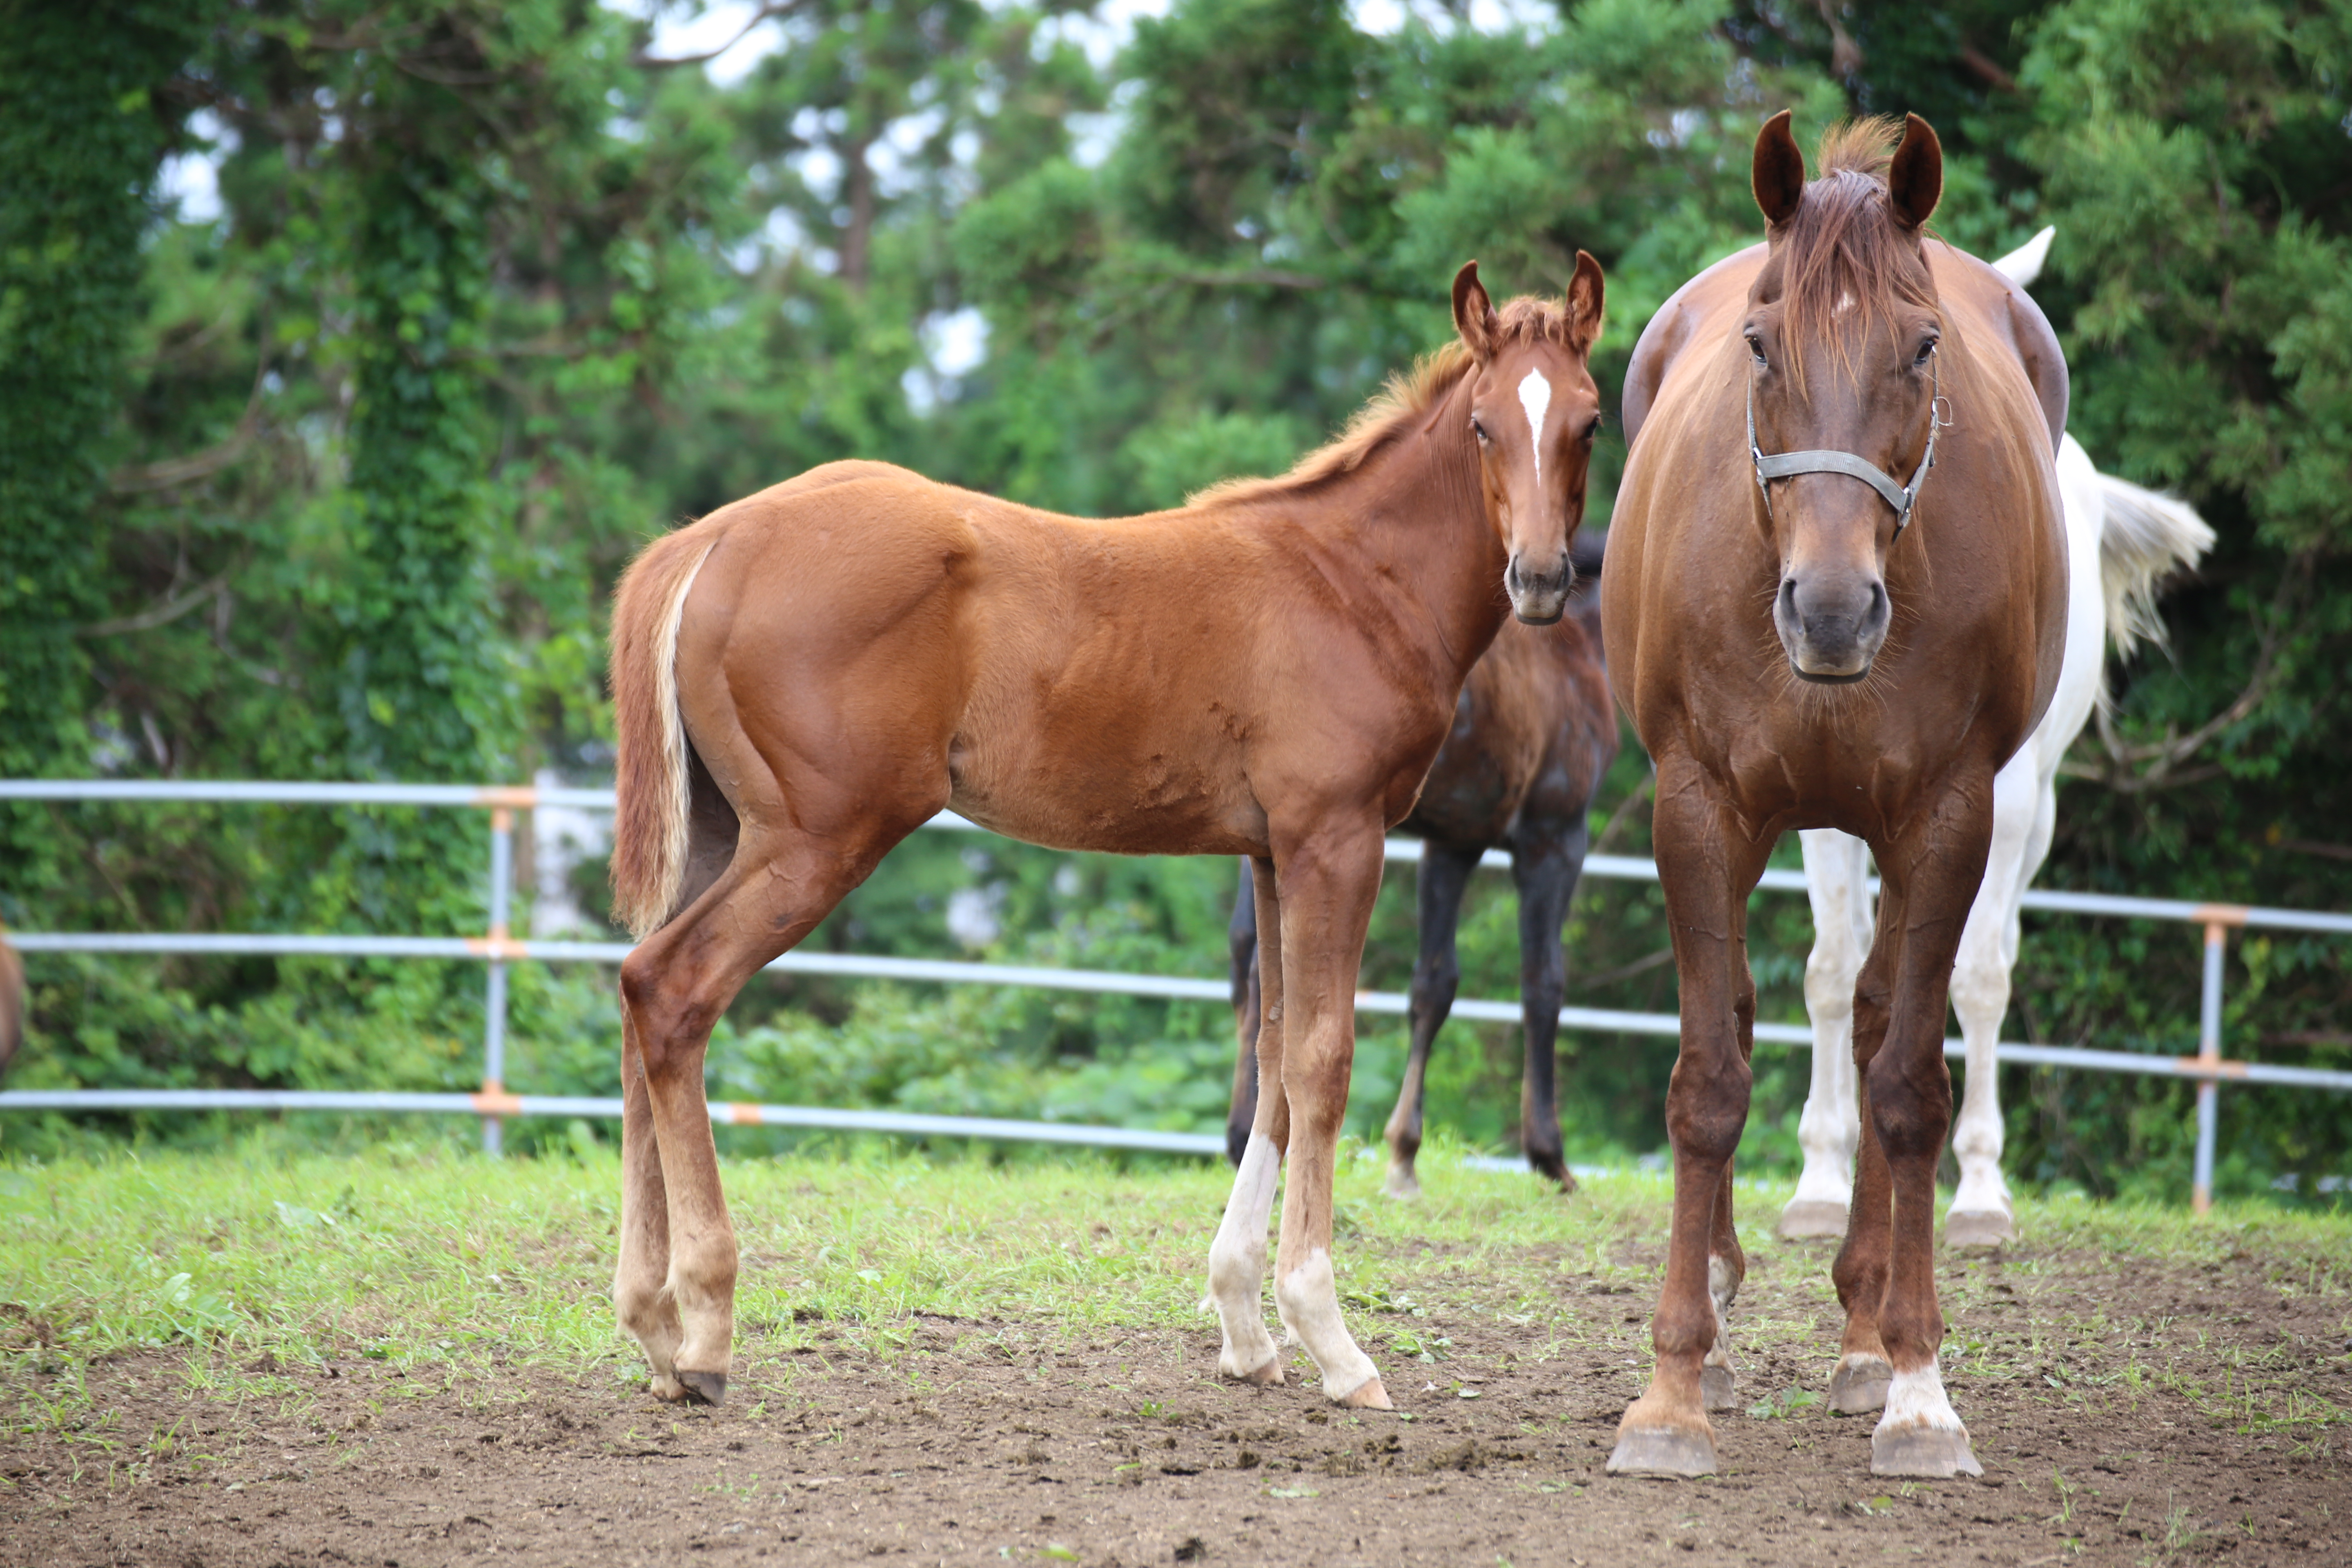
point(805, 677)
point(1534, 731)
point(1837, 599)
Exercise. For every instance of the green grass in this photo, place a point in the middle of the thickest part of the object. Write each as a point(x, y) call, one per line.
point(256, 1257)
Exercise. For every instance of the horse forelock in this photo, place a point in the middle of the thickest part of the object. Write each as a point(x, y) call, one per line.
point(1404, 399)
point(1841, 253)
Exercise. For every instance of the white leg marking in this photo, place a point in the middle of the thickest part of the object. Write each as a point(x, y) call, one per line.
point(1309, 1300)
point(1237, 1261)
point(1837, 868)
point(1535, 396)
point(1916, 1398)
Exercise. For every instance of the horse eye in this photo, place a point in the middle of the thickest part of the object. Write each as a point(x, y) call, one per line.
point(1477, 429)
point(1926, 350)
point(1592, 429)
point(1756, 348)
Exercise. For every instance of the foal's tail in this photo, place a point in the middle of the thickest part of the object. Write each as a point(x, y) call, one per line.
point(2143, 539)
point(650, 819)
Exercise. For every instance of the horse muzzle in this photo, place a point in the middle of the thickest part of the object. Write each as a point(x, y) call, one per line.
point(1539, 598)
point(1831, 630)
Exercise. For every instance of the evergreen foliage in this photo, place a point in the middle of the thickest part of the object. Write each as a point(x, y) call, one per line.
point(336, 484)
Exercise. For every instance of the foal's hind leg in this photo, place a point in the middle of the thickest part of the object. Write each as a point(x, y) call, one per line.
point(1241, 944)
point(674, 987)
point(1444, 875)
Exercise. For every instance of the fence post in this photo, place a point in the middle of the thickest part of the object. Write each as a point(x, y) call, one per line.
point(2209, 1053)
point(494, 1008)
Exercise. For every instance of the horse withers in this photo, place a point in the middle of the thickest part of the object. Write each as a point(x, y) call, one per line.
point(1533, 732)
point(806, 676)
point(1837, 599)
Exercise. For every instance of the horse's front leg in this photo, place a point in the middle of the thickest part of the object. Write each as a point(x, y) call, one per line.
point(1329, 883)
point(1546, 859)
point(1932, 875)
point(1706, 866)
point(1237, 1255)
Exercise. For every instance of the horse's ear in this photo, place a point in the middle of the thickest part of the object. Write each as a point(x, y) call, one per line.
point(1779, 177)
point(1584, 293)
point(1914, 181)
point(1474, 313)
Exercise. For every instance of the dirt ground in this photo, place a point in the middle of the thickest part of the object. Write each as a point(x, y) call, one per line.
point(2152, 1418)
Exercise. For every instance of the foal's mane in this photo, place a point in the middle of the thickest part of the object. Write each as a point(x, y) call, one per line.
point(1406, 396)
point(1843, 244)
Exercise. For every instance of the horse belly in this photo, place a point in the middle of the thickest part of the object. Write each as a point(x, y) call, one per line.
point(1068, 789)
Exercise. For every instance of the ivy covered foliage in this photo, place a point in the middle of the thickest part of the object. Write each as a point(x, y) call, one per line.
point(333, 482)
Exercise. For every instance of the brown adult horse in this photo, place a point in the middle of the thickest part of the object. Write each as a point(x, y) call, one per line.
point(1533, 732)
point(805, 677)
point(1793, 655)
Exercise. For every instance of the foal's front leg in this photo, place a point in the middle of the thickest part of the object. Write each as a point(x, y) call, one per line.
point(1329, 883)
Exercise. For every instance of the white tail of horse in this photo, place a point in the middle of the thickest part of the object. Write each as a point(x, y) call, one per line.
point(2143, 538)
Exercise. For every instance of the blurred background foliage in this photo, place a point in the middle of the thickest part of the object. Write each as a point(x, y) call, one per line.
point(348, 351)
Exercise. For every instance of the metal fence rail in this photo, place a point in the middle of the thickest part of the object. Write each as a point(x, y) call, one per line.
point(497, 948)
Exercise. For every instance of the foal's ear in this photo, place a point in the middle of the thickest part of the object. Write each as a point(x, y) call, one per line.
point(1584, 292)
point(1474, 313)
point(1779, 177)
point(1914, 181)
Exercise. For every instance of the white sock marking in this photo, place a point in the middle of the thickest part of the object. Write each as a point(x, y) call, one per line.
point(1535, 396)
point(1309, 1300)
point(1237, 1261)
point(1916, 1398)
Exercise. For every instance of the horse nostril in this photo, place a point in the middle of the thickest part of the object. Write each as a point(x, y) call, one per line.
point(1789, 597)
point(1878, 604)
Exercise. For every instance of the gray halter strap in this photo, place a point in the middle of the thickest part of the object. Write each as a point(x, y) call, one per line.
point(1780, 465)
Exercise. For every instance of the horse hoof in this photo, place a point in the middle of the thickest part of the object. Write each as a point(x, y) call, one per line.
point(1552, 1166)
point(1717, 1389)
point(1936, 1453)
point(703, 1387)
point(1809, 1220)
point(1401, 1183)
point(1372, 1395)
point(1662, 1452)
point(1858, 1387)
point(1978, 1227)
point(1267, 1376)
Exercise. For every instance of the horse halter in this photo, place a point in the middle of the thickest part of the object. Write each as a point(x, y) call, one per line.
point(1780, 465)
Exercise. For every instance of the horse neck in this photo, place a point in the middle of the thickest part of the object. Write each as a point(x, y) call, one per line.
point(1412, 518)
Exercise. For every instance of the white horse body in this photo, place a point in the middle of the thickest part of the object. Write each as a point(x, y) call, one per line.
point(2120, 540)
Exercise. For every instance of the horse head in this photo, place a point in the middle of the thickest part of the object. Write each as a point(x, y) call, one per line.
point(1842, 330)
point(1535, 410)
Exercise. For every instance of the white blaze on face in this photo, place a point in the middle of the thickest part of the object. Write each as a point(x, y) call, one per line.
point(1535, 396)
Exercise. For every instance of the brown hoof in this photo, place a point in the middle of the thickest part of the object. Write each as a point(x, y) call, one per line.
point(1980, 1227)
point(1718, 1388)
point(1548, 1163)
point(703, 1387)
point(1662, 1452)
point(1812, 1220)
point(1267, 1376)
point(1928, 1451)
point(1858, 1387)
point(1372, 1395)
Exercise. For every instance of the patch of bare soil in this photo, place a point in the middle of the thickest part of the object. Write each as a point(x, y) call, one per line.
point(2119, 1420)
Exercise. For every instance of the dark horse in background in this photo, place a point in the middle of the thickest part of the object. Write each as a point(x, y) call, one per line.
point(1532, 734)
